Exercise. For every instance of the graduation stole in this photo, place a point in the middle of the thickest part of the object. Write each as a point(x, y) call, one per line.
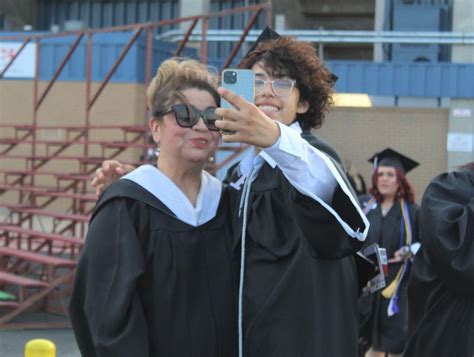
point(243, 210)
point(391, 291)
point(369, 205)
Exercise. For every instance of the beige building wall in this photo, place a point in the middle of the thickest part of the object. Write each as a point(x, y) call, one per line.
point(119, 104)
point(358, 133)
point(461, 123)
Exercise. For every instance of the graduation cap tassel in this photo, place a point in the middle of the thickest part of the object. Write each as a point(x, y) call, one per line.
point(374, 164)
point(244, 199)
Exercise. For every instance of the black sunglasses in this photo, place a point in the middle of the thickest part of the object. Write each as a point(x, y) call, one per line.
point(188, 115)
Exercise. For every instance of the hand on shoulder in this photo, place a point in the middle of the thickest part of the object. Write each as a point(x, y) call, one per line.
point(110, 171)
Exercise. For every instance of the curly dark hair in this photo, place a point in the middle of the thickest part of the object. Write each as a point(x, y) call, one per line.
point(405, 189)
point(286, 56)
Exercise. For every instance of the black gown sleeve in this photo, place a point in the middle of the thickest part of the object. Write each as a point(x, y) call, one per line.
point(447, 226)
point(416, 224)
point(324, 233)
point(331, 241)
point(105, 309)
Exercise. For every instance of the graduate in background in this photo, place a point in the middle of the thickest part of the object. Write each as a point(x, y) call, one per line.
point(441, 287)
point(154, 277)
point(355, 178)
point(393, 216)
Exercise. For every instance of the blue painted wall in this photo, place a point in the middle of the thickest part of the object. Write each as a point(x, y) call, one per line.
point(98, 13)
point(106, 49)
point(451, 80)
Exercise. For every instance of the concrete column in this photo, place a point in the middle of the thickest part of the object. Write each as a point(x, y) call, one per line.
point(193, 8)
point(460, 141)
point(379, 21)
point(463, 20)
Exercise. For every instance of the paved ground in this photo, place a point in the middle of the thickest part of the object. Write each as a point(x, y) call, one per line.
point(12, 343)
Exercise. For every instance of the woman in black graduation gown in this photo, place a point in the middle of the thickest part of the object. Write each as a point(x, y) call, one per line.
point(296, 219)
point(154, 277)
point(441, 287)
point(393, 218)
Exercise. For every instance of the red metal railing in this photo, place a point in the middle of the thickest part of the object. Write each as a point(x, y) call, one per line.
point(38, 99)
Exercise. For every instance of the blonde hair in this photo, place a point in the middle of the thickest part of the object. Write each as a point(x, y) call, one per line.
point(175, 75)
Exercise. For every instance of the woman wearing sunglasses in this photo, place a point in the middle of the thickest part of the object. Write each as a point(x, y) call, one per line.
point(154, 277)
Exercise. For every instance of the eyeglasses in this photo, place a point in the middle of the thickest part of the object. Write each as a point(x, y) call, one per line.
point(281, 87)
point(188, 115)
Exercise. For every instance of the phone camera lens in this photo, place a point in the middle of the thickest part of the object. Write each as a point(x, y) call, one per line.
point(230, 77)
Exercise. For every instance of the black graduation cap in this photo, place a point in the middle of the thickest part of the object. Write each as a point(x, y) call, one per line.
point(390, 157)
point(267, 34)
point(270, 34)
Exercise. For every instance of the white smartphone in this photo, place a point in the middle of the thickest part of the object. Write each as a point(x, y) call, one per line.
point(241, 82)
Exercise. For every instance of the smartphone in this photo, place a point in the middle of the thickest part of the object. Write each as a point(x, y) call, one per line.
point(241, 82)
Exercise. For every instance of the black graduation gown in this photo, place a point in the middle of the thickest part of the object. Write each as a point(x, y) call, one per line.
point(441, 287)
point(321, 145)
point(388, 334)
point(325, 147)
point(301, 287)
point(148, 284)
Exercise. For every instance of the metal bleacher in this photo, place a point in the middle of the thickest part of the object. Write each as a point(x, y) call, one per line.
point(43, 230)
point(46, 196)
